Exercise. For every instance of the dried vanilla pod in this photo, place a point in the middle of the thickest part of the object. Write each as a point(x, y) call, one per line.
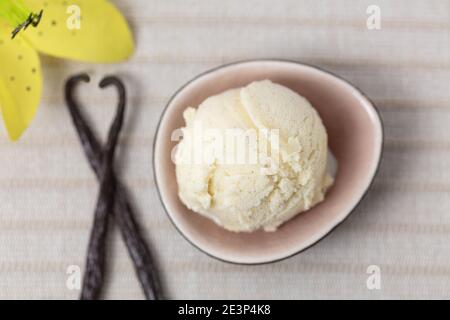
point(112, 195)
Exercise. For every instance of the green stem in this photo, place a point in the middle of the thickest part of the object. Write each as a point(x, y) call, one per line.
point(14, 12)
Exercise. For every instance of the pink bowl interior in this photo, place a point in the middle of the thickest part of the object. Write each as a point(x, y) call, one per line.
point(355, 137)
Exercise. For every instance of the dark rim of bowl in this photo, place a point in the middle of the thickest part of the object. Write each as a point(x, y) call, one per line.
point(377, 112)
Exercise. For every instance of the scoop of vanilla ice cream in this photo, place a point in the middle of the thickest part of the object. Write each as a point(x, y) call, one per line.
point(216, 170)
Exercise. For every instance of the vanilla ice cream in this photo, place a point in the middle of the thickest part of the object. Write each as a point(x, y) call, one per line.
point(252, 158)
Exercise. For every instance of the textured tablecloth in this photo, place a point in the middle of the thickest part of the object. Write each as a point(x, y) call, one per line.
point(48, 193)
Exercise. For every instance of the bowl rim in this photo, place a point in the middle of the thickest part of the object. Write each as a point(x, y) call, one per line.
point(287, 61)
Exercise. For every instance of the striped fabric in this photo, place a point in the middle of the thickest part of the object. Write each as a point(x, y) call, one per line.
point(48, 193)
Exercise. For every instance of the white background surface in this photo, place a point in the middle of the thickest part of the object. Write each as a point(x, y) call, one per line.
point(48, 193)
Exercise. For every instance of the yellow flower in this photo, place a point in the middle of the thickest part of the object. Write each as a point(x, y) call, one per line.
point(84, 30)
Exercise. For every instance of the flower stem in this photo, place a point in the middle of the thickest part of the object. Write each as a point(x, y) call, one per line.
point(14, 11)
point(18, 15)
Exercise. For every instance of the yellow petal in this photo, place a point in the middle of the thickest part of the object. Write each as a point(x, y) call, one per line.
point(20, 83)
point(101, 35)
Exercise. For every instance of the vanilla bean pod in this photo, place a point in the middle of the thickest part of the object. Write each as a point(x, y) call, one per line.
point(95, 263)
point(144, 265)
